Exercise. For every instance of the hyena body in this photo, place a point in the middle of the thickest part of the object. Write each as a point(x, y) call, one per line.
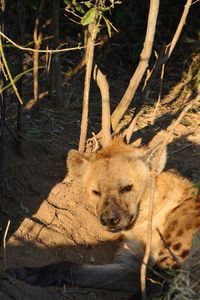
point(117, 181)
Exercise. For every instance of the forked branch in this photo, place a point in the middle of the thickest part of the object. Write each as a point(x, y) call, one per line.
point(104, 89)
point(160, 63)
point(162, 59)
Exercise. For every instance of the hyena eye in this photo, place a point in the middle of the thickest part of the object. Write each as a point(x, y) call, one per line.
point(126, 189)
point(97, 193)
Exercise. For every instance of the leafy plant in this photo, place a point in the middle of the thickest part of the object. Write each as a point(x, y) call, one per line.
point(86, 11)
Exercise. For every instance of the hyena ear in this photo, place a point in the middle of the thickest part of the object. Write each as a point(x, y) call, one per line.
point(77, 164)
point(151, 156)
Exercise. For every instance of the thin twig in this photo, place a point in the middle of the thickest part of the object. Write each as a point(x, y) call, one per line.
point(32, 102)
point(4, 244)
point(160, 94)
point(37, 39)
point(179, 28)
point(175, 258)
point(149, 237)
point(43, 51)
point(195, 2)
point(9, 74)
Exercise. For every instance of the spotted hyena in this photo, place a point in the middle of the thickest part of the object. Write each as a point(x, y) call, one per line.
point(117, 181)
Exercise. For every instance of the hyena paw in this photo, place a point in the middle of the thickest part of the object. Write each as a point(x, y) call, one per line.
point(55, 274)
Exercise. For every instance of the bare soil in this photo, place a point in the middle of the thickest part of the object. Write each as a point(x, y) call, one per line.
point(50, 219)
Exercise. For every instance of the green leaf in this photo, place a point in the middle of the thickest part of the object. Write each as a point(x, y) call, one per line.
point(198, 185)
point(87, 3)
point(108, 26)
point(89, 16)
point(67, 2)
point(78, 7)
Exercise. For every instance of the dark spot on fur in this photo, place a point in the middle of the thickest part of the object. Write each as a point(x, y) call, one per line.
point(189, 198)
point(174, 209)
point(167, 265)
point(168, 235)
point(197, 225)
point(188, 226)
point(173, 224)
point(179, 232)
point(169, 243)
point(176, 265)
point(198, 197)
point(163, 259)
point(184, 253)
point(197, 207)
point(176, 246)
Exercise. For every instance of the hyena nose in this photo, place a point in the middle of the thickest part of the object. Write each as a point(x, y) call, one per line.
point(110, 219)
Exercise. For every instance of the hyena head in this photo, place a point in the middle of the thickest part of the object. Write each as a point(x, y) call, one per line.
point(115, 179)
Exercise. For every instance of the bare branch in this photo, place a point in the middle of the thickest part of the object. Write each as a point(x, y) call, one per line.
point(142, 66)
point(162, 59)
point(50, 51)
point(55, 86)
point(160, 94)
point(179, 28)
point(92, 33)
point(175, 258)
point(129, 131)
point(104, 89)
point(9, 74)
point(37, 37)
point(4, 244)
point(160, 63)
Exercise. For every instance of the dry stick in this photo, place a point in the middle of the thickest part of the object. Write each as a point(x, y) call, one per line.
point(104, 89)
point(37, 39)
point(92, 33)
point(4, 243)
point(32, 102)
point(9, 74)
point(159, 96)
point(129, 131)
point(175, 258)
point(44, 51)
point(55, 86)
point(153, 182)
point(142, 66)
point(71, 73)
point(162, 59)
point(195, 2)
point(179, 28)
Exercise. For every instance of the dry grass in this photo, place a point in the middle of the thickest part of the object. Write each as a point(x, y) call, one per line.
point(180, 288)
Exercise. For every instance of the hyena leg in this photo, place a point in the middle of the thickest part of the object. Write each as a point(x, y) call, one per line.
point(116, 276)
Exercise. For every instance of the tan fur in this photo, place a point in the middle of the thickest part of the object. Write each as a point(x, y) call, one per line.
point(117, 182)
